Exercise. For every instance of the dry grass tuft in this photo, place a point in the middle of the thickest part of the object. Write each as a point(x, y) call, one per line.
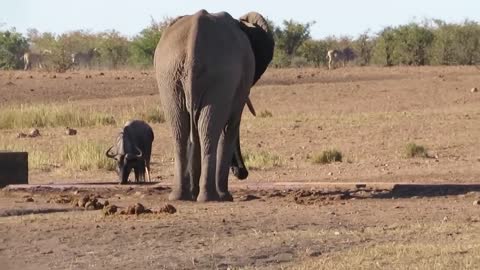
point(265, 114)
point(414, 150)
point(328, 156)
point(262, 160)
point(86, 155)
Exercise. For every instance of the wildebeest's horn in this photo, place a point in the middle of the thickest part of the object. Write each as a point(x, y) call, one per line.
point(139, 151)
point(108, 153)
point(250, 107)
point(130, 156)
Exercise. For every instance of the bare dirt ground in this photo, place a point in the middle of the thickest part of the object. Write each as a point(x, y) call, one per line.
point(369, 114)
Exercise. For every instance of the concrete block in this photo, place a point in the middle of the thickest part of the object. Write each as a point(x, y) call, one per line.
point(13, 168)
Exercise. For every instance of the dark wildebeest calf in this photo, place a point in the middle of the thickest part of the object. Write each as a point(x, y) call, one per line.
point(132, 150)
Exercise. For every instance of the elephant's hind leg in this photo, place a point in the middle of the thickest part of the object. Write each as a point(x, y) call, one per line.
point(224, 156)
point(210, 124)
point(179, 120)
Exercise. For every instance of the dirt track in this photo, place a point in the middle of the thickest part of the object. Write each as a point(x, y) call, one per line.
point(369, 114)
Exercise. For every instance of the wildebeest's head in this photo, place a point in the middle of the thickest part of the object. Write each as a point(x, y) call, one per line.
point(128, 157)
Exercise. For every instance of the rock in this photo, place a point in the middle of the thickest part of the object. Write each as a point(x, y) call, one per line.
point(29, 199)
point(70, 131)
point(109, 210)
point(90, 205)
point(83, 201)
point(139, 209)
point(330, 173)
point(360, 185)
point(33, 133)
point(474, 90)
point(476, 202)
point(21, 135)
point(168, 208)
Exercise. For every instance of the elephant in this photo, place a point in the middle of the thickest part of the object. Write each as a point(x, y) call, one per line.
point(205, 65)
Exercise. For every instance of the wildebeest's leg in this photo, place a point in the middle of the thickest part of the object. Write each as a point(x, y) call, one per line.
point(137, 172)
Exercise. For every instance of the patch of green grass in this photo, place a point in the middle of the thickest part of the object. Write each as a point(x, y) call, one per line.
point(86, 155)
point(262, 160)
point(328, 156)
point(49, 115)
point(415, 150)
point(153, 115)
point(265, 114)
point(45, 115)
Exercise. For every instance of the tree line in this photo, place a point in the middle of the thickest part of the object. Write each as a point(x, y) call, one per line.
point(432, 42)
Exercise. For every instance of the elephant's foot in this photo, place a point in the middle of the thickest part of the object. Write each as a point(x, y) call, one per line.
point(204, 196)
point(180, 195)
point(225, 196)
point(240, 173)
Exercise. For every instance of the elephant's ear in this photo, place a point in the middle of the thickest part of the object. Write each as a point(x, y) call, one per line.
point(261, 40)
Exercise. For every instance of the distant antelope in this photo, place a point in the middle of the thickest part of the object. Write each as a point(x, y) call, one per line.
point(36, 60)
point(336, 56)
point(84, 58)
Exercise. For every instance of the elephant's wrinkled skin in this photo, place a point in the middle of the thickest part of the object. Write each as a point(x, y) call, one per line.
point(205, 66)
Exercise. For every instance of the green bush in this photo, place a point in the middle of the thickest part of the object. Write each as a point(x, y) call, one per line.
point(12, 47)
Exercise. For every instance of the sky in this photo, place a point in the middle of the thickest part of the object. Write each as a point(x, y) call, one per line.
point(332, 18)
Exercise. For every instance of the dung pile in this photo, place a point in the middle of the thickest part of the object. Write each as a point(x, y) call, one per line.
point(137, 209)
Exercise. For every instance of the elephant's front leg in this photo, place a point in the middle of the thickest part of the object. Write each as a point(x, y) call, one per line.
point(224, 156)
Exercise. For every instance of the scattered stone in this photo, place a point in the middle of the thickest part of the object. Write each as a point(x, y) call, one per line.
point(83, 201)
point(299, 76)
point(474, 90)
point(21, 135)
point(101, 74)
point(29, 199)
point(168, 208)
point(476, 202)
point(330, 173)
point(54, 76)
point(360, 185)
point(117, 78)
point(336, 233)
point(248, 197)
point(109, 209)
point(33, 133)
point(60, 199)
point(88, 76)
point(9, 83)
point(70, 131)
point(90, 205)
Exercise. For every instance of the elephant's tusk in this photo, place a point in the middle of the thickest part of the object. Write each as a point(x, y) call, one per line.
point(250, 107)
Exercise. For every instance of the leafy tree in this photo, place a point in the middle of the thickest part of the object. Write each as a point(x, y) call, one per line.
point(143, 46)
point(114, 49)
point(364, 45)
point(315, 51)
point(384, 48)
point(292, 36)
point(12, 47)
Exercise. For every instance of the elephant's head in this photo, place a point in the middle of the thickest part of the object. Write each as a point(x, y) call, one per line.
point(261, 40)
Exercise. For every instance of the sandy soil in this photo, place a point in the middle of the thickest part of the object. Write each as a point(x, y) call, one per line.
point(369, 114)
